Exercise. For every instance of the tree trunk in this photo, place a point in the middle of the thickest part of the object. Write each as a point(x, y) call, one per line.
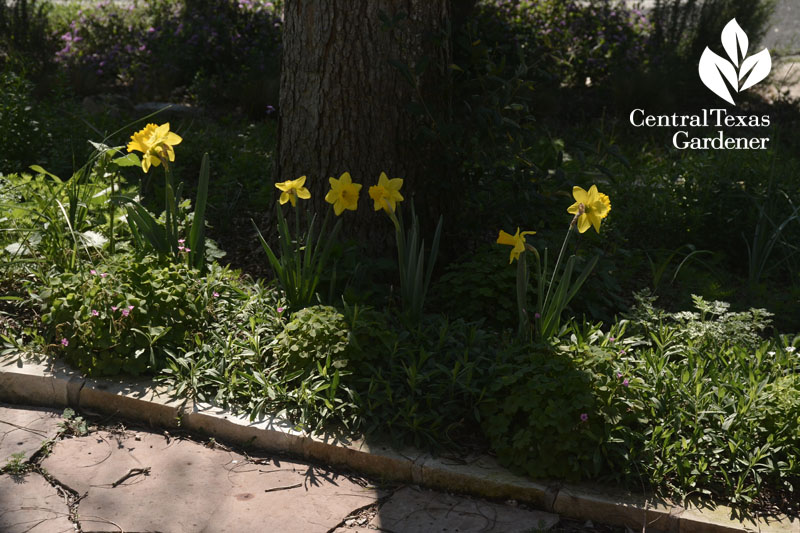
point(344, 100)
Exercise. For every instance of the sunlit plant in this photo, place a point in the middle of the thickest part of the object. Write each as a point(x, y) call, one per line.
point(157, 145)
point(553, 296)
point(415, 278)
point(301, 260)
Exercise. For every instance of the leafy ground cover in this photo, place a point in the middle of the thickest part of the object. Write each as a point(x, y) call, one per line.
point(136, 253)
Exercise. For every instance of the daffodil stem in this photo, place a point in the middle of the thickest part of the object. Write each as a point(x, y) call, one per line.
point(111, 209)
point(555, 269)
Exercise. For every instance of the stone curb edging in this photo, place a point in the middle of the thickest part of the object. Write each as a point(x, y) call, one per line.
point(54, 384)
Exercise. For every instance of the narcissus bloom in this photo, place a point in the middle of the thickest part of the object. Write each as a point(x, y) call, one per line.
point(386, 193)
point(156, 143)
point(291, 190)
point(589, 207)
point(517, 241)
point(343, 194)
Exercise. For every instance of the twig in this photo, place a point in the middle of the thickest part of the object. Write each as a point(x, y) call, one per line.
point(133, 472)
point(298, 485)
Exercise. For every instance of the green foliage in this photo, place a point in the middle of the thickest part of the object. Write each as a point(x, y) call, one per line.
point(415, 275)
point(21, 130)
point(424, 387)
point(476, 288)
point(52, 222)
point(303, 259)
point(73, 425)
point(16, 465)
point(313, 335)
point(685, 403)
point(26, 42)
point(561, 286)
point(128, 315)
point(532, 415)
point(149, 234)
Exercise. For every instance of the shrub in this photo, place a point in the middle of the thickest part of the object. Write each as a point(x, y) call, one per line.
point(21, 130)
point(126, 315)
point(683, 27)
point(313, 335)
point(535, 414)
point(682, 403)
point(26, 45)
point(156, 51)
point(424, 387)
point(478, 289)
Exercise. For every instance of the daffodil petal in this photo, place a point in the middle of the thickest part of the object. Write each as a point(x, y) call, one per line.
point(583, 223)
point(579, 194)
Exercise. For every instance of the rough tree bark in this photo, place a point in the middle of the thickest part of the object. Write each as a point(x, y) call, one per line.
point(343, 104)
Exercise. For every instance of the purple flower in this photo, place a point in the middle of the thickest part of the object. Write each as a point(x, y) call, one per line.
point(95, 312)
point(93, 272)
point(270, 110)
point(64, 342)
point(216, 294)
point(619, 375)
point(625, 383)
point(104, 274)
point(114, 307)
point(537, 316)
point(612, 339)
point(125, 312)
point(584, 417)
point(280, 309)
point(130, 308)
point(622, 352)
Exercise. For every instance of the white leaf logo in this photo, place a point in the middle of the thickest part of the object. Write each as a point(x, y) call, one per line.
point(715, 70)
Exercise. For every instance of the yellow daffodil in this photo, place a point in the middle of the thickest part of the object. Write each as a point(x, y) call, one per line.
point(291, 190)
point(517, 241)
point(589, 208)
point(156, 143)
point(343, 194)
point(386, 193)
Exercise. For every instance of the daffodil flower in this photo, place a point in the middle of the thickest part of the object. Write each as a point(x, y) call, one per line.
point(386, 193)
point(343, 194)
point(291, 190)
point(589, 208)
point(517, 241)
point(156, 143)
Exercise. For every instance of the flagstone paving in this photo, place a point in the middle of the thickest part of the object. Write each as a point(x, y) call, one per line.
point(24, 430)
point(139, 481)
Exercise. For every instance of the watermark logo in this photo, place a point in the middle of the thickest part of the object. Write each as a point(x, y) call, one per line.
point(715, 70)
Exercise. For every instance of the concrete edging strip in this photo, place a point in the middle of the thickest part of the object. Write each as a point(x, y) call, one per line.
point(52, 383)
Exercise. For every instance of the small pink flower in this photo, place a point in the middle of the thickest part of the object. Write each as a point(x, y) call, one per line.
point(187, 250)
point(584, 417)
point(625, 383)
point(93, 272)
point(216, 294)
point(622, 352)
point(64, 342)
point(130, 308)
point(612, 339)
point(95, 312)
point(125, 312)
point(280, 309)
point(537, 316)
point(181, 241)
point(619, 375)
point(114, 307)
point(104, 274)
